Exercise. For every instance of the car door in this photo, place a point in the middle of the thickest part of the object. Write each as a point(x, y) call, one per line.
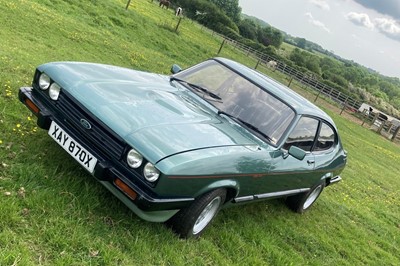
point(289, 173)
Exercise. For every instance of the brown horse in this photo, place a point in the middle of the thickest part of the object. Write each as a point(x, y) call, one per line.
point(164, 3)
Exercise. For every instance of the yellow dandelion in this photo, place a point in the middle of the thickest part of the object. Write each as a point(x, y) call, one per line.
point(1, 142)
point(29, 118)
point(18, 125)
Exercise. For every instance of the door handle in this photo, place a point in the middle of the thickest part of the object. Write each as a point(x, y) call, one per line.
point(310, 162)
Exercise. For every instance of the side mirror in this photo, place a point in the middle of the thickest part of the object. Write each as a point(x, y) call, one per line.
point(175, 69)
point(297, 153)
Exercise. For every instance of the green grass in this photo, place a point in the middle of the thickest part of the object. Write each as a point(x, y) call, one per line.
point(53, 213)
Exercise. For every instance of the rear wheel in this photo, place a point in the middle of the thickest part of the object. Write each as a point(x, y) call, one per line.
point(193, 220)
point(302, 202)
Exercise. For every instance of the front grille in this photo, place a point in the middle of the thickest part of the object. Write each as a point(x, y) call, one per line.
point(99, 135)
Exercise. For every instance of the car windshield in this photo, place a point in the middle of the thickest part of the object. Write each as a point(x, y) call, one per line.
point(258, 110)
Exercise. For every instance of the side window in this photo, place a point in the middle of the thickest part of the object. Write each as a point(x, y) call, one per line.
point(303, 134)
point(326, 138)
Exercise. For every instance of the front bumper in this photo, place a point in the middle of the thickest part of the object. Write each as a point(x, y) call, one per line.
point(146, 205)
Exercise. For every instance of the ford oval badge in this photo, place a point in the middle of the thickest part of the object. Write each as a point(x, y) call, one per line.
point(85, 124)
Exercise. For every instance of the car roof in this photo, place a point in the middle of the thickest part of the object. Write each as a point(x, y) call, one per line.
point(301, 105)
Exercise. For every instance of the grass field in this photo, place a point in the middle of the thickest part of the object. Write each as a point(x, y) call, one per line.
point(53, 213)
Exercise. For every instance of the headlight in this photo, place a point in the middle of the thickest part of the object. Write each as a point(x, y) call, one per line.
point(150, 172)
point(54, 91)
point(134, 159)
point(44, 81)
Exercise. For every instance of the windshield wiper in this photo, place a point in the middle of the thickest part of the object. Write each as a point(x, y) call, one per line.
point(197, 87)
point(247, 124)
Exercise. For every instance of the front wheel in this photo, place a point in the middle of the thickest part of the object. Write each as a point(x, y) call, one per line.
point(193, 220)
point(303, 201)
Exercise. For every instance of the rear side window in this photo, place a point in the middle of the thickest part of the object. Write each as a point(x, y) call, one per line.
point(303, 135)
point(326, 138)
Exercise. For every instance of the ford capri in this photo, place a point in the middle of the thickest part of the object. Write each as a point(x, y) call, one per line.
point(177, 148)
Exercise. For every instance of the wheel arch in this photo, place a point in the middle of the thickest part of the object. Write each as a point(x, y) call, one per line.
point(326, 178)
point(232, 188)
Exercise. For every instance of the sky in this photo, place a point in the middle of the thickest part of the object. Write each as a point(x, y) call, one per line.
point(365, 31)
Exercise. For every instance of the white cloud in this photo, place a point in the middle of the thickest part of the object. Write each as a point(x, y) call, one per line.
point(317, 23)
point(386, 7)
point(360, 19)
point(321, 4)
point(388, 27)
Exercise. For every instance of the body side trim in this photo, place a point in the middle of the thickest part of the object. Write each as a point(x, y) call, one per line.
point(271, 195)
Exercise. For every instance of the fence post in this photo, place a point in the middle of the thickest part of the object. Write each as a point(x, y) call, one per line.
point(395, 133)
point(366, 115)
point(222, 44)
point(375, 118)
point(319, 92)
point(290, 81)
point(383, 123)
point(390, 128)
point(127, 5)
point(177, 25)
point(344, 105)
point(258, 62)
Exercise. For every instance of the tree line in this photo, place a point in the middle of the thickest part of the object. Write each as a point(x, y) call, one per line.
point(361, 83)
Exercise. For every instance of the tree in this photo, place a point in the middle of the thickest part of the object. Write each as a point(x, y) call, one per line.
point(248, 29)
point(307, 60)
point(396, 102)
point(327, 64)
point(269, 36)
point(208, 14)
point(297, 57)
point(389, 89)
point(381, 95)
point(230, 7)
point(312, 64)
point(301, 43)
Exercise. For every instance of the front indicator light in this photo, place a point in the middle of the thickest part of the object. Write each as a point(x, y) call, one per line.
point(125, 188)
point(150, 172)
point(54, 91)
point(32, 106)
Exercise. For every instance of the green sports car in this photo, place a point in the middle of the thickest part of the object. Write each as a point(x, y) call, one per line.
point(177, 148)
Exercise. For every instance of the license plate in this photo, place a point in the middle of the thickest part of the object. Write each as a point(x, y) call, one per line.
point(85, 158)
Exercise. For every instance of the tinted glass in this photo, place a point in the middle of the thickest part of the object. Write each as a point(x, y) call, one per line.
point(303, 134)
point(326, 138)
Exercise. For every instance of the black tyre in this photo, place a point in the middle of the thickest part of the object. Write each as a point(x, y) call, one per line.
point(302, 202)
point(193, 220)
